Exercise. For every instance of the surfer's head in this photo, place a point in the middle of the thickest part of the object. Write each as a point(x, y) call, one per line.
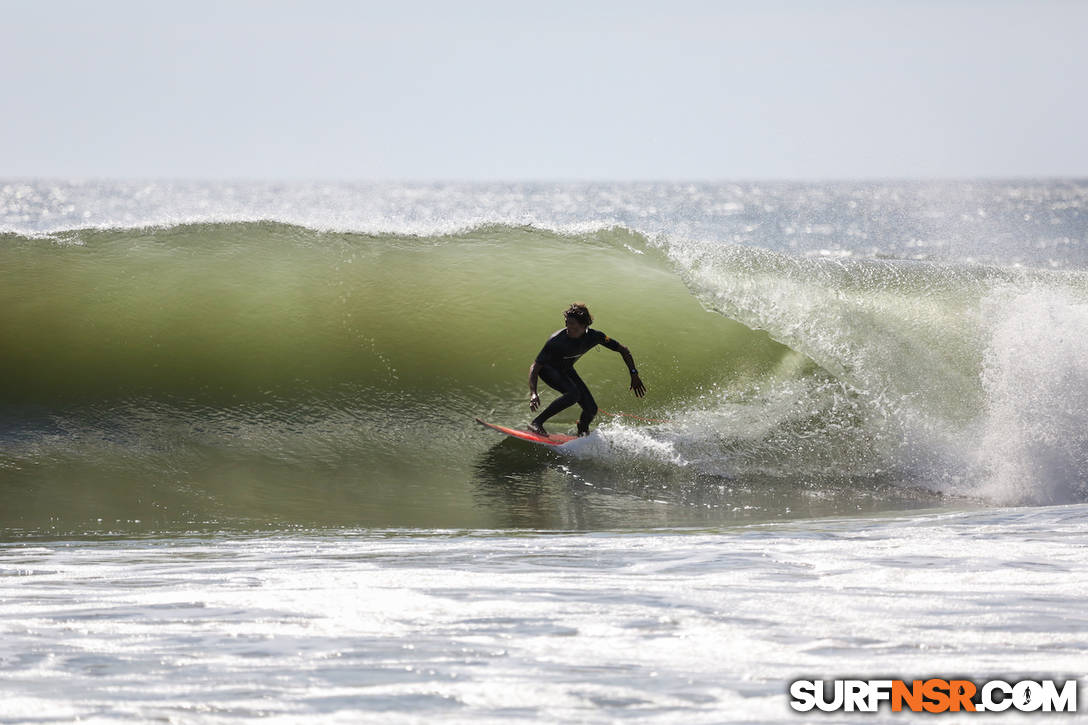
point(578, 319)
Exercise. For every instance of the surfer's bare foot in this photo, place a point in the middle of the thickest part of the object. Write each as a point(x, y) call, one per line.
point(535, 428)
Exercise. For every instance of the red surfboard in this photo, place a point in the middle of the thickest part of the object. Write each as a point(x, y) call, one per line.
point(554, 439)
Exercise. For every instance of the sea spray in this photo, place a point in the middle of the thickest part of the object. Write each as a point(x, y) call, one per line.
point(1034, 446)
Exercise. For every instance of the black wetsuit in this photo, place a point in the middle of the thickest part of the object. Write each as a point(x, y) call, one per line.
point(556, 368)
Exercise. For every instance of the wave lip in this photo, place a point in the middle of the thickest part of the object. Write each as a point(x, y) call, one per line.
point(1030, 222)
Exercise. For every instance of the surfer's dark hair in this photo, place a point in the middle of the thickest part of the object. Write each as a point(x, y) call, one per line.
point(578, 311)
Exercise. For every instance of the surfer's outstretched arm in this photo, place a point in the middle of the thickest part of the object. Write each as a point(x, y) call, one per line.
point(534, 399)
point(637, 386)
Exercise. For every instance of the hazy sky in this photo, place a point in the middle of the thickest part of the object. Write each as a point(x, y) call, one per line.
point(544, 90)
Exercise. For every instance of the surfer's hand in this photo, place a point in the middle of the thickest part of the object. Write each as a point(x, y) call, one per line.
point(534, 401)
point(637, 386)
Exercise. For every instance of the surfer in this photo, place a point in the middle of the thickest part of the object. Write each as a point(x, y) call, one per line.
point(555, 366)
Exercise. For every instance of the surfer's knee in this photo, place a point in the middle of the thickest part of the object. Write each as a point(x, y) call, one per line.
point(570, 394)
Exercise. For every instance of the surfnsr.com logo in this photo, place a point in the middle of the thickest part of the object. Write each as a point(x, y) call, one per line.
point(934, 695)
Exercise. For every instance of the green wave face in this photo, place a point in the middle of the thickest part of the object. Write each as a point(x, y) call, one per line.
point(219, 312)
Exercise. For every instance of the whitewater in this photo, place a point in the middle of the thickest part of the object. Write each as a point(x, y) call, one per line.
point(240, 477)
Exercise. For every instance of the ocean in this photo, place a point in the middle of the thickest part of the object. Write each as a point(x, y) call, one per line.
point(240, 477)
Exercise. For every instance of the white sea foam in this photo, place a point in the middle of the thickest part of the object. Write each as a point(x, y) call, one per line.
point(1034, 445)
point(492, 627)
point(617, 442)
